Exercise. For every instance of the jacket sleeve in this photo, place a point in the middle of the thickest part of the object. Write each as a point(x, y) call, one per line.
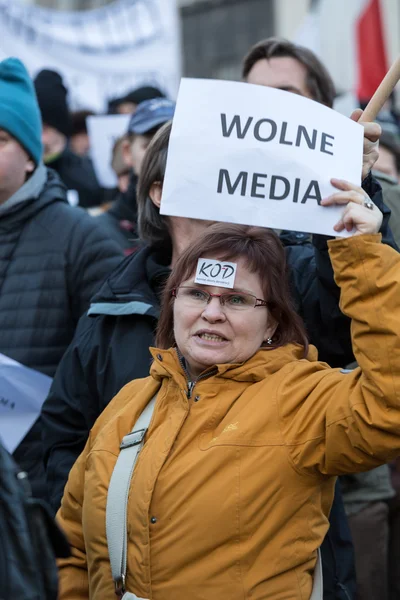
point(64, 423)
point(318, 295)
point(350, 422)
point(92, 256)
point(73, 571)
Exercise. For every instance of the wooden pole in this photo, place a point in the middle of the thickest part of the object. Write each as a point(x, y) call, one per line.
point(382, 93)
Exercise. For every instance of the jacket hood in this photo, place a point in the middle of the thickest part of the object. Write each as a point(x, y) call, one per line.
point(263, 363)
point(52, 191)
point(135, 286)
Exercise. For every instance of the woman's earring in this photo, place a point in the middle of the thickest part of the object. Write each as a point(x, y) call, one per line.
point(269, 341)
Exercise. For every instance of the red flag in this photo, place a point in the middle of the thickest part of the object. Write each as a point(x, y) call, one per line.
point(371, 50)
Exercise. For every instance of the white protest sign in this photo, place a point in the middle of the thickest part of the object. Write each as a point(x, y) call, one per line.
point(22, 393)
point(103, 133)
point(215, 272)
point(249, 154)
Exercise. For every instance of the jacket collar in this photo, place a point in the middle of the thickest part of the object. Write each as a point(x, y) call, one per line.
point(53, 190)
point(31, 189)
point(134, 287)
point(263, 363)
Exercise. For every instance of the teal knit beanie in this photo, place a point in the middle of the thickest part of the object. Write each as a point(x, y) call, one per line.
point(19, 110)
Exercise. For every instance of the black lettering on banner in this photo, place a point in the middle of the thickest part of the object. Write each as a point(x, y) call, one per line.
point(231, 189)
point(282, 139)
point(256, 184)
point(311, 143)
point(236, 123)
point(271, 136)
point(272, 192)
point(308, 196)
point(325, 143)
point(214, 274)
point(6, 402)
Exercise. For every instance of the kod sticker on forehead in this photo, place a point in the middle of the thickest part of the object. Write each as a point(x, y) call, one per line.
point(215, 272)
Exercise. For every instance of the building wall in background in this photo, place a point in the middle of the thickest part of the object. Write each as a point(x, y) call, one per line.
point(217, 33)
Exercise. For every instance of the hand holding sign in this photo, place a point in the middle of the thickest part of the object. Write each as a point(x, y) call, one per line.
point(360, 214)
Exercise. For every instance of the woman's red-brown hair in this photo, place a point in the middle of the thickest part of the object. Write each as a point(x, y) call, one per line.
point(264, 255)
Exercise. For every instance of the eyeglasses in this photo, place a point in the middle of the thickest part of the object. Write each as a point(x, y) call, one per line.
point(191, 296)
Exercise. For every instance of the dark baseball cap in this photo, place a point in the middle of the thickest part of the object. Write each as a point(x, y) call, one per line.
point(150, 114)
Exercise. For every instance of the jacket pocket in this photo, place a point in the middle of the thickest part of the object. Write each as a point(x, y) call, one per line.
point(232, 436)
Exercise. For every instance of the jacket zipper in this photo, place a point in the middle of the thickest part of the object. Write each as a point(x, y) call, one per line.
point(191, 384)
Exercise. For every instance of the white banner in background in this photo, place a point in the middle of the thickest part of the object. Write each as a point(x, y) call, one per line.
point(101, 53)
point(250, 154)
point(22, 393)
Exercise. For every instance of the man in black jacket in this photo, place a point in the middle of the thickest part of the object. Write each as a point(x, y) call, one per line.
point(52, 257)
point(30, 540)
point(76, 172)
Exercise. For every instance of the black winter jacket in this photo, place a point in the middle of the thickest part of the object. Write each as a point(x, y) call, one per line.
point(53, 258)
point(29, 539)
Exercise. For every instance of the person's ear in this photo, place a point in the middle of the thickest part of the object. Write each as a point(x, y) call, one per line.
point(126, 153)
point(30, 166)
point(155, 193)
point(270, 331)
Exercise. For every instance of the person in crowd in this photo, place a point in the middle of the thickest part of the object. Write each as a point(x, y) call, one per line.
point(281, 64)
point(75, 171)
point(126, 105)
point(121, 168)
point(120, 220)
point(387, 172)
point(79, 141)
point(388, 162)
point(231, 494)
point(30, 540)
point(125, 312)
point(124, 315)
point(53, 257)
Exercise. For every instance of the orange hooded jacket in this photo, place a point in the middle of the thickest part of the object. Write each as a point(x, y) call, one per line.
point(231, 493)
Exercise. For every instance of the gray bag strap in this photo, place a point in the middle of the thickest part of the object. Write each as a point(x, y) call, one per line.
point(117, 508)
point(117, 498)
point(318, 587)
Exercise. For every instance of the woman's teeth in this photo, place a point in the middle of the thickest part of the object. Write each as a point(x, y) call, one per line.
point(211, 337)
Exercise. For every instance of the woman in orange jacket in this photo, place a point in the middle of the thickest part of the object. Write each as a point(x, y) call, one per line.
point(230, 496)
